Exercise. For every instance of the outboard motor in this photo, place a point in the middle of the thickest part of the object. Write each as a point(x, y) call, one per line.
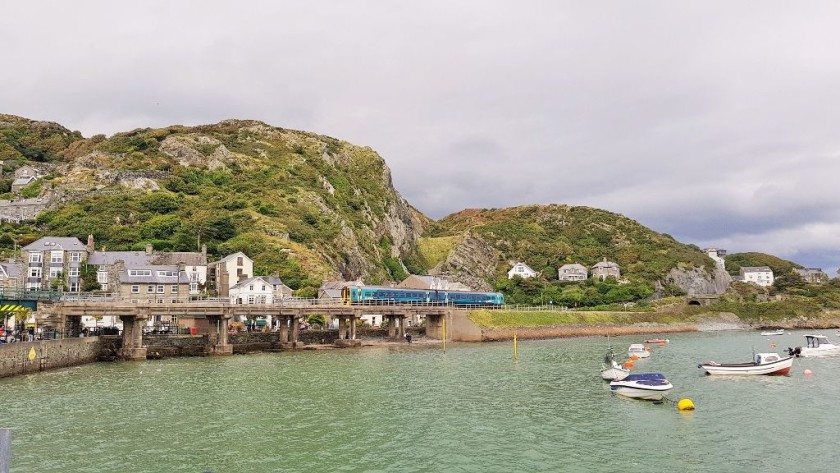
point(794, 351)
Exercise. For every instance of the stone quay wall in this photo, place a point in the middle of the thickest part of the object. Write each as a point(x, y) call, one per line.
point(166, 346)
point(31, 357)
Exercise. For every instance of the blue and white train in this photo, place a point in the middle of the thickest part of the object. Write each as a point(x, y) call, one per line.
point(395, 295)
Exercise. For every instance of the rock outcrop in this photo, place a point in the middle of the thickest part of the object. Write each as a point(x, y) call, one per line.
point(471, 262)
point(698, 281)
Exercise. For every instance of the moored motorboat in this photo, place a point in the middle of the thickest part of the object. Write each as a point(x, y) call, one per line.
point(611, 370)
point(765, 363)
point(780, 331)
point(657, 340)
point(815, 345)
point(638, 350)
point(650, 386)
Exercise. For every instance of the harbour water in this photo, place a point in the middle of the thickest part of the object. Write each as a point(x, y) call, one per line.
point(416, 408)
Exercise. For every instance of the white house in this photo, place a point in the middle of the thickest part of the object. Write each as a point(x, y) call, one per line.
point(255, 290)
point(760, 275)
point(572, 272)
point(522, 270)
point(604, 269)
point(228, 271)
point(716, 255)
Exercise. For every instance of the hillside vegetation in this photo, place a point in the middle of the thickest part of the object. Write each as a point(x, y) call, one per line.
point(305, 206)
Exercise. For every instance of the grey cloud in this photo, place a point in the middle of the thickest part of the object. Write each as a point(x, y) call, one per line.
point(714, 123)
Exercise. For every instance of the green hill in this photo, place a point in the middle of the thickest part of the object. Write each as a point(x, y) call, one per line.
point(302, 205)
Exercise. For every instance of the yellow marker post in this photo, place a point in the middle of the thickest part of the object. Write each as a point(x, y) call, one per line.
point(444, 334)
point(515, 348)
point(32, 354)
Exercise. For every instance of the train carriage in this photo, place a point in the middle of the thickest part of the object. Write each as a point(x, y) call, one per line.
point(394, 295)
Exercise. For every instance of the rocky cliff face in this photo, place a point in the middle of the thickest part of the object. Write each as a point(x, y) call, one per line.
point(698, 281)
point(471, 262)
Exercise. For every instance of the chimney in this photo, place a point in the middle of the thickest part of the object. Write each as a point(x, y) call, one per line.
point(90, 243)
point(204, 250)
point(149, 248)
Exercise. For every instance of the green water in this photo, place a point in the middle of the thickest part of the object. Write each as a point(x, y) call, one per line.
point(419, 409)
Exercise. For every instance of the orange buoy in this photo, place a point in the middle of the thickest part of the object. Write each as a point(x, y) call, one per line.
point(628, 364)
point(648, 348)
point(661, 344)
point(808, 373)
point(634, 357)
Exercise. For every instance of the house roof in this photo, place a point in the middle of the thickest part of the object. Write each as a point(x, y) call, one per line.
point(49, 243)
point(12, 269)
point(605, 265)
point(230, 257)
point(276, 281)
point(246, 282)
point(22, 181)
point(576, 266)
point(756, 269)
point(154, 278)
point(130, 258)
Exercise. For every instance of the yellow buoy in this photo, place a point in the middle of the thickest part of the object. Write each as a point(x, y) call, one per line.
point(685, 405)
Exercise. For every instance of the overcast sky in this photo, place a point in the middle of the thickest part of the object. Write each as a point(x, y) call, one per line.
point(715, 122)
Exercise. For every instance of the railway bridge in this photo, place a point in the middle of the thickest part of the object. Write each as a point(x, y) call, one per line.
point(136, 314)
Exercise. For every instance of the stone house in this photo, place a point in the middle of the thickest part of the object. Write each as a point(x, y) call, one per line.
point(424, 282)
point(153, 283)
point(110, 264)
point(332, 289)
point(813, 275)
point(604, 269)
point(20, 210)
point(10, 276)
point(280, 290)
point(24, 176)
point(572, 272)
point(50, 260)
point(522, 270)
point(227, 272)
point(760, 275)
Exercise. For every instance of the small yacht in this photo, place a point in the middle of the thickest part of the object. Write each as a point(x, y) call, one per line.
point(638, 350)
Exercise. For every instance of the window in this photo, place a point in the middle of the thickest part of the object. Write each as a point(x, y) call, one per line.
point(238, 272)
point(135, 289)
point(150, 288)
point(57, 257)
point(174, 289)
point(55, 273)
point(193, 287)
point(263, 287)
point(34, 257)
point(75, 257)
point(34, 272)
point(250, 299)
point(239, 261)
point(251, 287)
point(101, 277)
point(169, 274)
point(160, 289)
point(139, 272)
point(73, 287)
point(73, 272)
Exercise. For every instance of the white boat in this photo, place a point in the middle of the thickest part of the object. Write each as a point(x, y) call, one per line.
point(765, 363)
point(611, 370)
point(639, 350)
point(650, 386)
point(815, 345)
point(780, 331)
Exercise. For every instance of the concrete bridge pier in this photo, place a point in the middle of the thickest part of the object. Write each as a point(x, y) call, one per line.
point(289, 329)
point(347, 329)
point(392, 326)
point(219, 342)
point(132, 339)
point(434, 325)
